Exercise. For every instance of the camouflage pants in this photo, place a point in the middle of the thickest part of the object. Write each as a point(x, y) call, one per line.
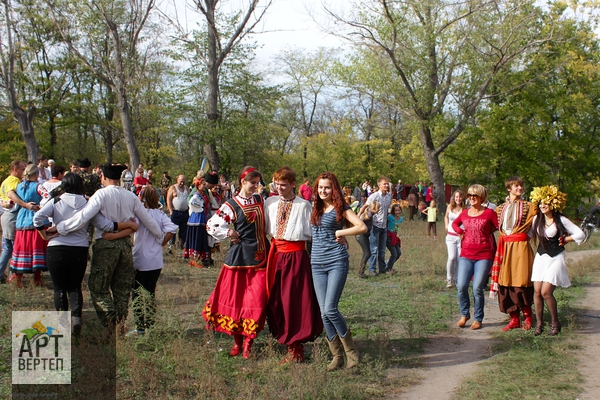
point(111, 279)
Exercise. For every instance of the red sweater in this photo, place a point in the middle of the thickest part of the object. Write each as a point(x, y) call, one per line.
point(478, 242)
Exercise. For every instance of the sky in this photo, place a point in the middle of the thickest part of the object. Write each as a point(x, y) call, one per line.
point(287, 23)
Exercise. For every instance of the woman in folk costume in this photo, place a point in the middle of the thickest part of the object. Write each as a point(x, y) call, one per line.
point(553, 231)
point(511, 271)
point(29, 251)
point(196, 242)
point(237, 305)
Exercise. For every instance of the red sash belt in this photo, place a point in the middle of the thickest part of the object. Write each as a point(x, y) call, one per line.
point(499, 256)
point(279, 246)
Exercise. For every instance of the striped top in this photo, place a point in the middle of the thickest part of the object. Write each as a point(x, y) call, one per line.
point(325, 249)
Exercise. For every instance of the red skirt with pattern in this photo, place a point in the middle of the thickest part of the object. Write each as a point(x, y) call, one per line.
point(237, 305)
point(29, 252)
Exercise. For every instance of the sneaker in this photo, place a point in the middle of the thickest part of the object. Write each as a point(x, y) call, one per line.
point(449, 283)
point(371, 273)
point(136, 332)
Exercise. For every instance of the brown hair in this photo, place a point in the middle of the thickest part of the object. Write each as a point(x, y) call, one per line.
point(250, 175)
point(453, 204)
point(285, 174)
point(337, 197)
point(512, 181)
point(150, 197)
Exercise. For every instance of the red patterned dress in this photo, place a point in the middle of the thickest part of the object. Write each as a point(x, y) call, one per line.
point(237, 304)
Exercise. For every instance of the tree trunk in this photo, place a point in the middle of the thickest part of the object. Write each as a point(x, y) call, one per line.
point(25, 120)
point(433, 167)
point(134, 154)
point(212, 114)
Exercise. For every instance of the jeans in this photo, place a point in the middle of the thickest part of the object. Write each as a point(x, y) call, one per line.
point(377, 240)
point(479, 270)
point(363, 241)
point(7, 248)
point(453, 245)
point(329, 281)
point(395, 253)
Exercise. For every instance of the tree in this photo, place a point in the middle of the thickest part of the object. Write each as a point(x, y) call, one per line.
point(109, 37)
point(220, 40)
point(444, 56)
point(10, 52)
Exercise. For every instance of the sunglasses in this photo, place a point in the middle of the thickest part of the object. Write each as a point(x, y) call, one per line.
point(472, 195)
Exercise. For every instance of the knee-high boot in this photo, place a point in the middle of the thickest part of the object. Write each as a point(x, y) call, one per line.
point(337, 350)
point(527, 321)
point(351, 352)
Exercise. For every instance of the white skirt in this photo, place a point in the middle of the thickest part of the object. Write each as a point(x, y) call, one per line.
point(550, 269)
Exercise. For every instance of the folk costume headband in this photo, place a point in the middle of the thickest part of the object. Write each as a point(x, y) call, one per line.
point(549, 195)
point(246, 172)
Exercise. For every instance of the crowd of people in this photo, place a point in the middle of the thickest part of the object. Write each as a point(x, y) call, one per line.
point(294, 281)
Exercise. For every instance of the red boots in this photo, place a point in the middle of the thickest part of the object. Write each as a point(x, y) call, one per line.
point(237, 345)
point(295, 353)
point(528, 321)
point(515, 321)
point(239, 342)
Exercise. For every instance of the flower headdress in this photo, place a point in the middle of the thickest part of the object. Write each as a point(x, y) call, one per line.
point(549, 195)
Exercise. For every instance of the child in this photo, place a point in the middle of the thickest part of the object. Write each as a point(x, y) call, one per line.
point(431, 213)
point(148, 260)
point(394, 220)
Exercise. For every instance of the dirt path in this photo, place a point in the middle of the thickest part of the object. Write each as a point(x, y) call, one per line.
point(450, 357)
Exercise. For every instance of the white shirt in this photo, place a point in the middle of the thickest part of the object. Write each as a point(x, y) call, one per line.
point(147, 249)
point(116, 204)
point(380, 219)
point(573, 230)
point(298, 226)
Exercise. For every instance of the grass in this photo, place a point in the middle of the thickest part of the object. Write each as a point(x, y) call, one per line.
point(391, 318)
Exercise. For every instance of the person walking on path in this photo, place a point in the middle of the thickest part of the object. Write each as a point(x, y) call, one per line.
point(511, 271)
point(476, 254)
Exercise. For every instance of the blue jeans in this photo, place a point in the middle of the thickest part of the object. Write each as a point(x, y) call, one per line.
point(479, 270)
point(377, 240)
point(7, 248)
point(329, 281)
point(395, 253)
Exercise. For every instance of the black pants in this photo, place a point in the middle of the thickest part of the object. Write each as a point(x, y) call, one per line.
point(180, 218)
point(144, 308)
point(67, 265)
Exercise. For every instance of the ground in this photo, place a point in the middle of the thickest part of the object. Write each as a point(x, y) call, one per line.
point(453, 355)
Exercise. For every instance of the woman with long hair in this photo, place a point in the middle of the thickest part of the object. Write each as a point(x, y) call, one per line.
point(237, 305)
point(457, 205)
point(329, 262)
point(553, 231)
point(478, 247)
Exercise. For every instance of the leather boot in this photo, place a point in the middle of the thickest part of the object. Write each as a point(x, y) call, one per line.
point(351, 352)
point(247, 347)
point(337, 350)
point(515, 321)
point(237, 345)
point(37, 278)
point(527, 321)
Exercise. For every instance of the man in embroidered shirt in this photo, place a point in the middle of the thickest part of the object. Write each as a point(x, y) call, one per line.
point(378, 237)
point(511, 271)
point(293, 313)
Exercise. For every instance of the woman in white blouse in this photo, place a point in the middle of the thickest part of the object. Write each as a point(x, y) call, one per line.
point(553, 230)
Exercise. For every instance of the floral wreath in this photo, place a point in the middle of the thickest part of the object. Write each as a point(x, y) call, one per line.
point(549, 195)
